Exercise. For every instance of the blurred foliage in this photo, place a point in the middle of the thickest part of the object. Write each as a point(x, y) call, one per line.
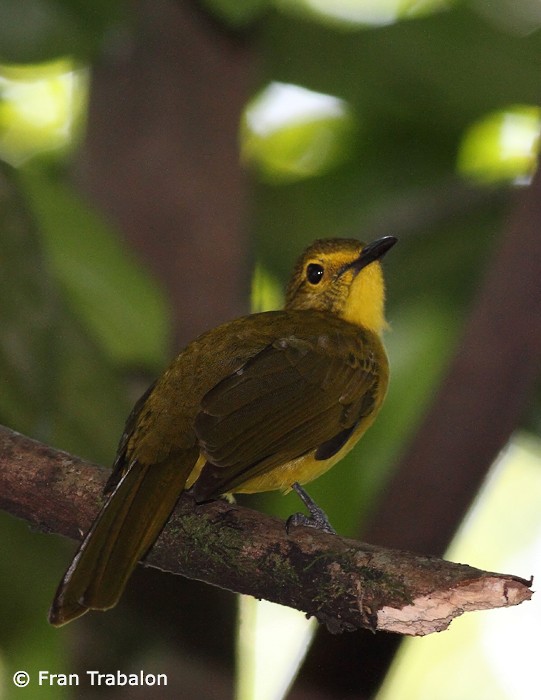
point(41, 108)
point(502, 533)
point(236, 13)
point(27, 641)
point(62, 364)
point(63, 348)
point(351, 14)
point(502, 145)
point(268, 659)
point(290, 133)
point(78, 313)
point(520, 18)
point(121, 307)
point(33, 31)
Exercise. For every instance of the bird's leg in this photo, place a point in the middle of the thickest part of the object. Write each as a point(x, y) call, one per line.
point(317, 517)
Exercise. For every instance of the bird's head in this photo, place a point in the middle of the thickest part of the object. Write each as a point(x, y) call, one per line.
point(344, 277)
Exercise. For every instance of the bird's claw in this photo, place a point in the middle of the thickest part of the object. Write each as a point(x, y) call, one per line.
point(317, 518)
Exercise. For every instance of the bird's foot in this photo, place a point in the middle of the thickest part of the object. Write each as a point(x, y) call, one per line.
point(317, 517)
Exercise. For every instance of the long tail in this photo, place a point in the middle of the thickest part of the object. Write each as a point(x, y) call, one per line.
point(125, 529)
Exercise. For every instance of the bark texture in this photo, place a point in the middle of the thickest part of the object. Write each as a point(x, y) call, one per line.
point(345, 584)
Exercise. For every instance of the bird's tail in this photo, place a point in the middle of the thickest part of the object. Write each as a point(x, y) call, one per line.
point(125, 529)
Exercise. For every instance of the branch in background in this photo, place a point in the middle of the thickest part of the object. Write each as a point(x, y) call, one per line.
point(343, 583)
point(161, 156)
point(480, 402)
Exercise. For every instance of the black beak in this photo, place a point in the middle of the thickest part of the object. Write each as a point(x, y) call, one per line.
point(373, 251)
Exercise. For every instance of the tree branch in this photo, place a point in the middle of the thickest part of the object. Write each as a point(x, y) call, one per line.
point(343, 583)
point(161, 156)
point(480, 401)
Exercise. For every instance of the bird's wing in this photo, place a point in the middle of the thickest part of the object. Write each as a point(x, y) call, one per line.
point(122, 459)
point(298, 394)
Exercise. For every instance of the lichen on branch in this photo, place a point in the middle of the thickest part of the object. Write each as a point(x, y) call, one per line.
point(344, 583)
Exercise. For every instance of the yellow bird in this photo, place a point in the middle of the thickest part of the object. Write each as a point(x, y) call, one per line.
point(268, 401)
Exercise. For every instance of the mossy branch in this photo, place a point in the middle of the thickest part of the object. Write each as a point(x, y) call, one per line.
point(345, 584)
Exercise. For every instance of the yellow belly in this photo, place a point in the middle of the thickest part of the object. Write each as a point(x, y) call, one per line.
point(302, 469)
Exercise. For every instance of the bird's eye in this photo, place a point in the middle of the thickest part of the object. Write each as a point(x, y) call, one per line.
point(314, 273)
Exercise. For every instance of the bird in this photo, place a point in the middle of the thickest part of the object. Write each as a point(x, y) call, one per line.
point(269, 401)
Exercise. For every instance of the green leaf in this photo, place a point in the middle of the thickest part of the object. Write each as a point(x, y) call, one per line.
point(32, 31)
point(117, 301)
point(290, 133)
point(57, 384)
point(29, 316)
point(237, 13)
point(502, 146)
point(41, 109)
